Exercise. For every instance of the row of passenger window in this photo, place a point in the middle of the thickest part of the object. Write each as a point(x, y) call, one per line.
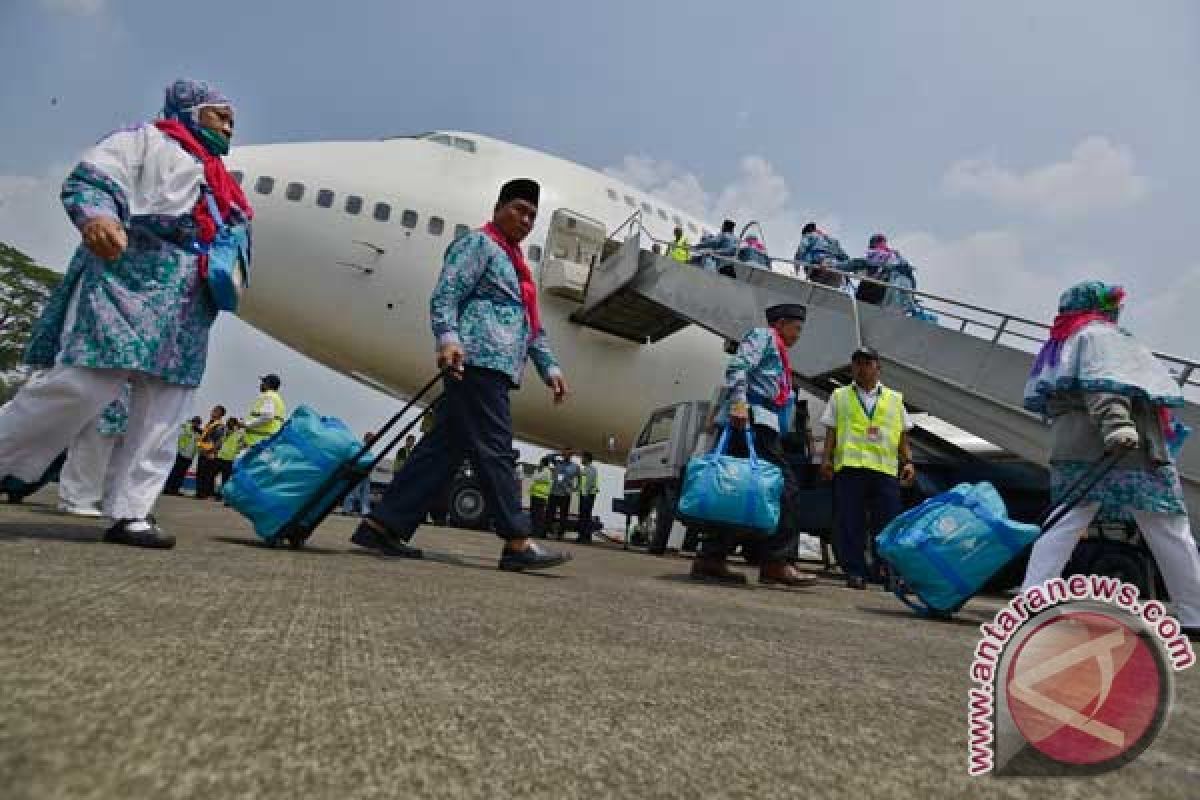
point(353, 204)
point(651, 210)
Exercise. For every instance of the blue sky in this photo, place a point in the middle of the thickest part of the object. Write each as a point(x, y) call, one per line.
point(1008, 149)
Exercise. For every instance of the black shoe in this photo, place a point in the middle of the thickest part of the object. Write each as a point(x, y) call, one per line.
point(153, 537)
point(368, 537)
point(856, 582)
point(532, 557)
point(1192, 632)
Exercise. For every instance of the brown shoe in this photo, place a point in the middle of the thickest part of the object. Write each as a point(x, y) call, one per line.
point(715, 570)
point(783, 574)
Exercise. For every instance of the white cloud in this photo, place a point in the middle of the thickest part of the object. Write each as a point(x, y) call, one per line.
point(32, 218)
point(80, 7)
point(1166, 320)
point(996, 269)
point(757, 192)
point(1099, 176)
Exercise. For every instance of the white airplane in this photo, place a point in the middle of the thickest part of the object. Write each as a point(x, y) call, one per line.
point(349, 239)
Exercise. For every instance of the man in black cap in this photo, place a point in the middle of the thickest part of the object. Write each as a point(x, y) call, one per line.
point(867, 457)
point(268, 413)
point(485, 320)
point(759, 383)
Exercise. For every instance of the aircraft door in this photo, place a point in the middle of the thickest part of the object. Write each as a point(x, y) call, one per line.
point(573, 247)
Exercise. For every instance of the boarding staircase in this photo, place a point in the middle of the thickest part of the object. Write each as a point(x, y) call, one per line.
point(968, 369)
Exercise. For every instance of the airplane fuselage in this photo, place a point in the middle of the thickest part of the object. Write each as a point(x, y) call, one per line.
point(349, 240)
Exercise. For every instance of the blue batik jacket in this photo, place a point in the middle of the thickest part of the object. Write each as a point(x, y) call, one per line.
point(477, 303)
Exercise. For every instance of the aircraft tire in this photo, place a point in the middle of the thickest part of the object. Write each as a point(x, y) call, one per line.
point(468, 506)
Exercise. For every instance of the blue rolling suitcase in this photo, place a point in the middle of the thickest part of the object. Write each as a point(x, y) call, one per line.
point(287, 485)
point(945, 550)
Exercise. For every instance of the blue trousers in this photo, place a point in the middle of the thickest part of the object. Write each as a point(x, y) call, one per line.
point(857, 492)
point(473, 421)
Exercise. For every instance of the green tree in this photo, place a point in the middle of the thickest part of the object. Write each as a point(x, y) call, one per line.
point(24, 289)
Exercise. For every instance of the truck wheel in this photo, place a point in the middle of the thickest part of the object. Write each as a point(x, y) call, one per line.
point(468, 508)
point(659, 520)
point(1125, 563)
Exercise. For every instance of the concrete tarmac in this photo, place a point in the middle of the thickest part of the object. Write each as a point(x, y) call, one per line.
point(223, 669)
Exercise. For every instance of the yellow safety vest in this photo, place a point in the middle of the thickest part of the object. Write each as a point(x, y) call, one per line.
point(868, 442)
point(589, 481)
point(680, 250)
point(264, 430)
point(232, 445)
point(540, 488)
point(187, 441)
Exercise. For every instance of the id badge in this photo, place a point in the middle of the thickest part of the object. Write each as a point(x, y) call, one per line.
point(874, 435)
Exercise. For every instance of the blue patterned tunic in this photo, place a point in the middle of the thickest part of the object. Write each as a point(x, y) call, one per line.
point(114, 419)
point(753, 375)
point(148, 310)
point(477, 303)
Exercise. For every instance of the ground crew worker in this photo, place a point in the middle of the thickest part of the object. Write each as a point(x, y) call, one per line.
point(564, 484)
point(681, 248)
point(268, 412)
point(760, 396)
point(231, 446)
point(539, 496)
point(206, 447)
point(589, 487)
point(185, 452)
point(866, 446)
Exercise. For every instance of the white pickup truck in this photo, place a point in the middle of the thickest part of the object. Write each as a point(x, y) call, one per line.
point(654, 471)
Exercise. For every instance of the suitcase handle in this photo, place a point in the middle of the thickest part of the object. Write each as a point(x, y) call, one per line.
point(1080, 488)
point(391, 423)
point(295, 530)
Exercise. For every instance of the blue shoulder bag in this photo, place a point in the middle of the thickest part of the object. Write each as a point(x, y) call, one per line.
point(740, 493)
point(228, 260)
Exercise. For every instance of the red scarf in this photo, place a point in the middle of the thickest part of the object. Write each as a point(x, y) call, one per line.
point(528, 287)
point(1069, 322)
point(785, 380)
point(224, 188)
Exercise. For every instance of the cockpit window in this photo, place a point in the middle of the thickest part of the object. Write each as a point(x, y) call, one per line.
point(466, 145)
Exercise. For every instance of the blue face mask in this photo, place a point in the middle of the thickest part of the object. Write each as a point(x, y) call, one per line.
point(214, 142)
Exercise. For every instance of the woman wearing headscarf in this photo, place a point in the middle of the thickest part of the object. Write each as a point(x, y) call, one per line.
point(883, 263)
point(1103, 392)
point(134, 305)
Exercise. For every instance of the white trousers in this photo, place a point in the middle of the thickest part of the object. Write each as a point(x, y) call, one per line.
point(53, 408)
point(85, 478)
point(1168, 535)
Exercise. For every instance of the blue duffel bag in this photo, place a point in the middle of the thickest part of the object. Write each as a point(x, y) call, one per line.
point(274, 478)
point(741, 493)
point(947, 548)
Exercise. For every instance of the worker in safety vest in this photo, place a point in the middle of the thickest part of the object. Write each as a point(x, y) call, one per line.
point(268, 412)
point(231, 446)
point(185, 453)
point(539, 496)
point(866, 450)
point(681, 248)
point(589, 487)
